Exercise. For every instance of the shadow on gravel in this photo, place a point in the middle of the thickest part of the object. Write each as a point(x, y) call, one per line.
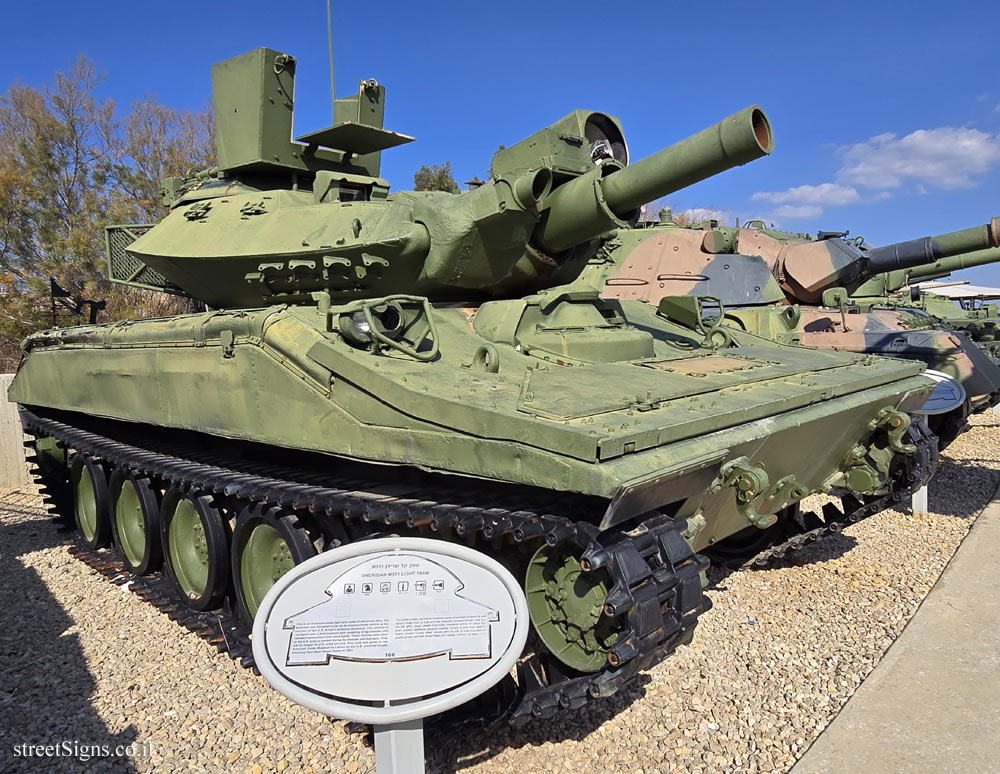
point(45, 686)
point(825, 549)
point(953, 492)
point(458, 750)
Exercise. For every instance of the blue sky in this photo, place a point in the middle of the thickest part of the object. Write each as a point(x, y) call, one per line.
point(886, 118)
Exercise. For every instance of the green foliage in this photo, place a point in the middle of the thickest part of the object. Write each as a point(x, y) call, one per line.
point(435, 178)
point(69, 165)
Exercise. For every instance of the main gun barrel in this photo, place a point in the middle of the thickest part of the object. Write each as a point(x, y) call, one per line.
point(891, 281)
point(604, 199)
point(926, 251)
point(954, 263)
point(736, 140)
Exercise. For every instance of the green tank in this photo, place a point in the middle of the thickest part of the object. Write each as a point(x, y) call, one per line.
point(377, 363)
point(980, 323)
point(798, 288)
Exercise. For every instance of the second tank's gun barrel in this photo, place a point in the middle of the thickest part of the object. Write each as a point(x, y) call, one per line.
point(952, 263)
point(928, 250)
point(891, 281)
point(605, 198)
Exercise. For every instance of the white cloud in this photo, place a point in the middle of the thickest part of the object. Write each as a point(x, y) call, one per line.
point(822, 195)
point(947, 157)
point(808, 201)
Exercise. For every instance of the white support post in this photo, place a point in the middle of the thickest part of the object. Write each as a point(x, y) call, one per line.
point(919, 501)
point(399, 748)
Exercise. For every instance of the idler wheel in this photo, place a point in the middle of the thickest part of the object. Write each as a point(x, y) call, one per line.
point(135, 522)
point(567, 608)
point(267, 543)
point(195, 547)
point(90, 500)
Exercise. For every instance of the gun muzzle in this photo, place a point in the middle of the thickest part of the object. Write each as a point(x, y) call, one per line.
point(607, 197)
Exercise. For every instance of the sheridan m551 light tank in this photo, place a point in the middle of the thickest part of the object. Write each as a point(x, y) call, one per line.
point(795, 288)
point(422, 362)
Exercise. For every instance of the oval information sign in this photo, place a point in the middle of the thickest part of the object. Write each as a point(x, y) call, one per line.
point(389, 630)
point(947, 395)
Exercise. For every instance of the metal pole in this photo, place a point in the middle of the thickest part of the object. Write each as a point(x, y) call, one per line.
point(399, 748)
point(329, 40)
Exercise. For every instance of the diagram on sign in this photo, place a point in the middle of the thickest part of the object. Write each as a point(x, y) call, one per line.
point(392, 607)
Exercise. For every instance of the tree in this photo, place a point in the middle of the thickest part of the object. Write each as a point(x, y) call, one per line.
point(435, 178)
point(68, 167)
point(698, 215)
point(689, 217)
point(152, 142)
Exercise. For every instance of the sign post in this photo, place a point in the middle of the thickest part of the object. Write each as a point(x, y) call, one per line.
point(399, 748)
point(948, 395)
point(389, 632)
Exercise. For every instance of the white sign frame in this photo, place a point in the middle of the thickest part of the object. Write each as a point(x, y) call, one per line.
point(270, 637)
point(945, 381)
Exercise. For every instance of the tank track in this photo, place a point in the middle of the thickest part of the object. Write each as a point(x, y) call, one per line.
point(807, 528)
point(655, 576)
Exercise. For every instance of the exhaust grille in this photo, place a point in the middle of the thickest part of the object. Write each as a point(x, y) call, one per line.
point(126, 269)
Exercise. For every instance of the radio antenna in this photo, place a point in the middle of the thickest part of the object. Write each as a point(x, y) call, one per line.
point(329, 39)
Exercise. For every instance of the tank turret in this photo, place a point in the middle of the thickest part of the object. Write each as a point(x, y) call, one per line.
point(754, 265)
point(280, 221)
point(810, 268)
point(608, 196)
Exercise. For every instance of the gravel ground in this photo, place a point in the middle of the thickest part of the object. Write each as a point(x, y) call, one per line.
point(771, 664)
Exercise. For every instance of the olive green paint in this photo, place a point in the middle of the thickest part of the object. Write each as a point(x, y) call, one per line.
point(85, 501)
point(131, 527)
point(264, 558)
point(187, 546)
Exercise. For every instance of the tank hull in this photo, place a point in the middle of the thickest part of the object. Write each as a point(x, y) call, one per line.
point(269, 420)
point(981, 325)
point(888, 332)
point(274, 377)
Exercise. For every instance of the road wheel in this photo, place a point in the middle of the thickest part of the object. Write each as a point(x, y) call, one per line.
point(195, 547)
point(135, 522)
point(267, 543)
point(90, 500)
